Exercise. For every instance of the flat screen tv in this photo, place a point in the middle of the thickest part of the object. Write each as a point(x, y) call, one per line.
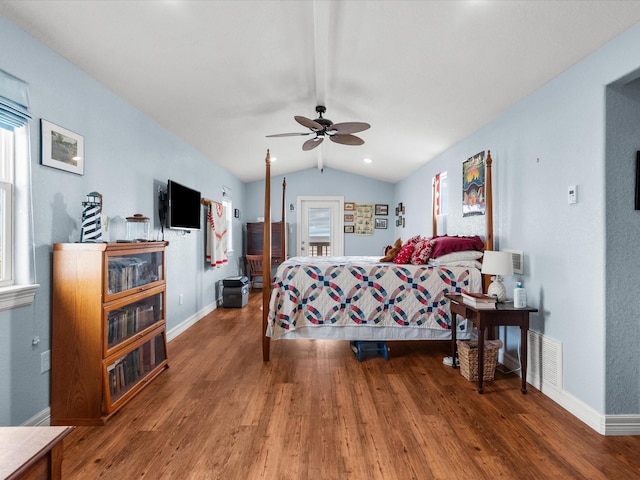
point(184, 211)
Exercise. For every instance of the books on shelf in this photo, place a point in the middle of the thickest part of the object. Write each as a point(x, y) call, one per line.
point(478, 300)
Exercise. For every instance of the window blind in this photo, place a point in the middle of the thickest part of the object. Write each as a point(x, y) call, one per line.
point(14, 101)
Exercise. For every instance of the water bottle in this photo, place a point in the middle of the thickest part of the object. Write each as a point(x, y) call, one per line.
point(519, 296)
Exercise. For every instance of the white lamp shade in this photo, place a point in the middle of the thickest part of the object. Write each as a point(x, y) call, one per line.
point(497, 263)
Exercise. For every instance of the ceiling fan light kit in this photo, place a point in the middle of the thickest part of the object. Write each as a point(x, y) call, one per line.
point(337, 132)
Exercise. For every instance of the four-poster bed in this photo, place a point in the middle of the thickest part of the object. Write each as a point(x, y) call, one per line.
point(360, 298)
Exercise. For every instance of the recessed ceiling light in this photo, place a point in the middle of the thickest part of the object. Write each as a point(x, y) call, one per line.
point(367, 160)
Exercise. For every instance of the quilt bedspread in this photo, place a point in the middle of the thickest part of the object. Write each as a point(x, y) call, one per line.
point(322, 292)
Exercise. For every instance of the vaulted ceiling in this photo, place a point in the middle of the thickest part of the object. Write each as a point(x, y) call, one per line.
point(222, 75)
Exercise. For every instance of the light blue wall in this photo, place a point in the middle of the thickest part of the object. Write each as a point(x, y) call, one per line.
point(311, 182)
point(552, 139)
point(127, 157)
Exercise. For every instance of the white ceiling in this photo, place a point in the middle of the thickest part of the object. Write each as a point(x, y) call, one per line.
point(222, 75)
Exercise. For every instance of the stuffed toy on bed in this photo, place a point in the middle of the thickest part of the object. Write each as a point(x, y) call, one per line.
point(391, 251)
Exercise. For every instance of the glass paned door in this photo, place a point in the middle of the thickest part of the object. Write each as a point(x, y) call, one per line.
point(320, 226)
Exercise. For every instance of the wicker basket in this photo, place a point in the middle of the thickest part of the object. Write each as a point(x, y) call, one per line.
point(468, 357)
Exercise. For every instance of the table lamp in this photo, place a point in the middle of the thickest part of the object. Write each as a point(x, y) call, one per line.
point(497, 264)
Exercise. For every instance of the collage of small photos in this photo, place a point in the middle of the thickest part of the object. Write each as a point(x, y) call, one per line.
point(400, 215)
point(363, 218)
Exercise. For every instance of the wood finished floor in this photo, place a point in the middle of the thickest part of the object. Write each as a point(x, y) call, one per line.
point(315, 412)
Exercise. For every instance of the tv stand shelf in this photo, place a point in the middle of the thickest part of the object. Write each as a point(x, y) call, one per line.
point(108, 324)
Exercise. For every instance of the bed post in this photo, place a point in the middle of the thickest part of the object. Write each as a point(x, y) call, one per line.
point(283, 232)
point(266, 258)
point(434, 219)
point(488, 241)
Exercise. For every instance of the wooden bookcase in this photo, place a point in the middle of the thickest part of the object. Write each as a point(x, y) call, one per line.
point(108, 327)
point(254, 240)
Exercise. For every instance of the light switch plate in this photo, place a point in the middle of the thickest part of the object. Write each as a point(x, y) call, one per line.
point(573, 194)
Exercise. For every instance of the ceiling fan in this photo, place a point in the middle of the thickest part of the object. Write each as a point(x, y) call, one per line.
point(323, 127)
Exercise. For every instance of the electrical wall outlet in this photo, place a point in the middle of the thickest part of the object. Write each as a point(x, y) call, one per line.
point(45, 361)
point(573, 194)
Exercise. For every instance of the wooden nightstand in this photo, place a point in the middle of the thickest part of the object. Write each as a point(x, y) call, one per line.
point(483, 319)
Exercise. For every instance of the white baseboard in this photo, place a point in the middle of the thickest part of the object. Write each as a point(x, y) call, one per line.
point(192, 320)
point(603, 424)
point(43, 418)
point(40, 419)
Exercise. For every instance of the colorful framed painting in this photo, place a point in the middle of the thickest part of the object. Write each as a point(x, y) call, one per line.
point(473, 174)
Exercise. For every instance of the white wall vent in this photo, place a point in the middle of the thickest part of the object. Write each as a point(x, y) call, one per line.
point(518, 260)
point(544, 362)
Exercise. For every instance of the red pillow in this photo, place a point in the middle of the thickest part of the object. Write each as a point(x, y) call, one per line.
point(414, 240)
point(445, 244)
point(422, 252)
point(404, 255)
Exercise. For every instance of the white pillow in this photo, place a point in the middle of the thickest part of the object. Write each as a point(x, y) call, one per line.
point(457, 256)
point(458, 263)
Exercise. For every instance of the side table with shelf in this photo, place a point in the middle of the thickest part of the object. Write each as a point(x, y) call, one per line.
point(505, 314)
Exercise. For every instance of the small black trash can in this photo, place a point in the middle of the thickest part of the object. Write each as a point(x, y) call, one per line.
point(235, 292)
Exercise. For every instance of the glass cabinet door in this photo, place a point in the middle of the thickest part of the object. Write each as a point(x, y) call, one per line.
point(132, 270)
point(125, 373)
point(127, 320)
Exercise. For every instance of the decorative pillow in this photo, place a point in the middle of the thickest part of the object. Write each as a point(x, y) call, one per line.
point(445, 244)
point(391, 254)
point(422, 252)
point(457, 257)
point(414, 240)
point(404, 255)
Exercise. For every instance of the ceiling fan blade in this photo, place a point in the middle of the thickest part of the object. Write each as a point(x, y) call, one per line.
point(311, 144)
point(346, 139)
point(289, 134)
point(307, 122)
point(348, 127)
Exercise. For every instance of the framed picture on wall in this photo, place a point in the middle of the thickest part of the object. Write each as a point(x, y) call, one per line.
point(381, 223)
point(349, 217)
point(473, 172)
point(382, 209)
point(61, 148)
point(349, 206)
point(349, 228)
